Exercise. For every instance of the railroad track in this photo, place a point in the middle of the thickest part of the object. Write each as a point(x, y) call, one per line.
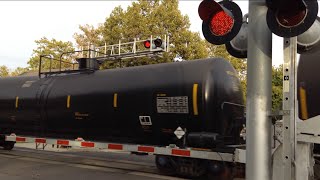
point(87, 161)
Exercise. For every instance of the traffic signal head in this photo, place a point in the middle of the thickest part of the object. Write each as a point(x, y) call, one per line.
point(289, 18)
point(154, 43)
point(221, 21)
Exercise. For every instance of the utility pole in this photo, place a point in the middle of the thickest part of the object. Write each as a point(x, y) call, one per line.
point(258, 151)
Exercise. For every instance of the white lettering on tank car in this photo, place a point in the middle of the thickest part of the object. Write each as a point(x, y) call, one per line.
point(177, 104)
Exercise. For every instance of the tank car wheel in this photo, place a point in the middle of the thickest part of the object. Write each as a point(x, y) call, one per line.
point(219, 171)
point(8, 145)
point(165, 165)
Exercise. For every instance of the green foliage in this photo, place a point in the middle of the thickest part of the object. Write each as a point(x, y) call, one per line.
point(145, 18)
point(277, 84)
point(139, 21)
point(19, 71)
point(4, 71)
point(50, 47)
point(89, 35)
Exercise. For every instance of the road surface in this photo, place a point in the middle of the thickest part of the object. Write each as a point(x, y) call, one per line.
point(24, 163)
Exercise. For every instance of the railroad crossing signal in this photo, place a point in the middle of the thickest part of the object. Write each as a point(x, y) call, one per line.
point(155, 43)
point(297, 22)
point(221, 24)
point(289, 18)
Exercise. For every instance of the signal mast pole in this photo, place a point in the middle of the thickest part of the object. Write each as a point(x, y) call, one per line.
point(259, 74)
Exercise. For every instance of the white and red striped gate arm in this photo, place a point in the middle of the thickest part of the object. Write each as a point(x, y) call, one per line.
point(237, 156)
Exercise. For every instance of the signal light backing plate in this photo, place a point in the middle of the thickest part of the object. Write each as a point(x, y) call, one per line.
point(237, 17)
point(206, 7)
point(282, 31)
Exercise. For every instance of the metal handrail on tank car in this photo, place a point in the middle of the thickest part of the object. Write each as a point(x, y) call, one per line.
point(134, 53)
point(50, 66)
point(60, 63)
point(71, 52)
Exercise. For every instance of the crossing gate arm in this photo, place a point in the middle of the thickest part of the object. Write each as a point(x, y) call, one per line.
point(237, 156)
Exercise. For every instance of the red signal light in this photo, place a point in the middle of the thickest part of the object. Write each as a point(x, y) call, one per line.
point(155, 43)
point(147, 44)
point(221, 21)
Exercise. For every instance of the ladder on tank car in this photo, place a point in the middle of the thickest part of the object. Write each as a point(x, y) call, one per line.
point(67, 62)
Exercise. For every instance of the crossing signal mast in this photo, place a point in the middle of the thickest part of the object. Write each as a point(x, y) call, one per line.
point(297, 22)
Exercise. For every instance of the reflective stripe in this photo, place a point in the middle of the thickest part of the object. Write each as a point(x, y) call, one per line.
point(63, 142)
point(87, 144)
point(17, 102)
point(146, 149)
point(68, 101)
point(115, 146)
point(303, 103)
point(195, 99)
point(180, 152)
point(115, 100)
point(40, 140)
point(20, 139)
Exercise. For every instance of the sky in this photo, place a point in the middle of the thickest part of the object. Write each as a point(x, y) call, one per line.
point(23, 22)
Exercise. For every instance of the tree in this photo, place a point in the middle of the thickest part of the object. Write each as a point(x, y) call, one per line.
point(19, 71)
point(89, 35)
point(4, 71)
point(51, 47)
point(157, 18)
